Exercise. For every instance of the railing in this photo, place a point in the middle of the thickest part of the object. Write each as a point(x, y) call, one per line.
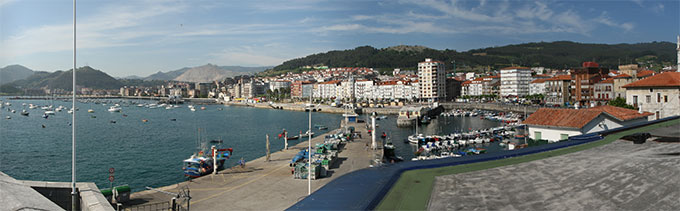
point(165, 205)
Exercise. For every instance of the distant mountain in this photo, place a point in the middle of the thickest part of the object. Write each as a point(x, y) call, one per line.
point(85, 76)
point(211, 72)
point(161, 76)
point(14, 72)
point(560, 54)
point(131, 77)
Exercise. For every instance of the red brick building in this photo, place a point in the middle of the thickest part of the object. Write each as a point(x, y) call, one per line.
point(583, 81)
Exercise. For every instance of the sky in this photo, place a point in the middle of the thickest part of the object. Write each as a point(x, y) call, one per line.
point(141, 37)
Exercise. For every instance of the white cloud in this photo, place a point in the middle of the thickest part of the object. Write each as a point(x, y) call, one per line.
point(245, 57)
point(116, 25)
point(454, 16)
point(604, 19)
point(6, 2)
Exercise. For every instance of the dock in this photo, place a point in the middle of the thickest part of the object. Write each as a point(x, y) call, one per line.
point(263, 185)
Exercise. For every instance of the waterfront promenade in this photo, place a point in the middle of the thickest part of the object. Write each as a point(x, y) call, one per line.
point(263, 185)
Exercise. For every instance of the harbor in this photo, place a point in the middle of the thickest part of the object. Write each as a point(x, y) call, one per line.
point(262, 184)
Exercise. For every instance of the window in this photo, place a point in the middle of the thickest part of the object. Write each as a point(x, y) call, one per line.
point(665, 98)
point(648, 99)
point(564, 137)
point(635, 101)
point(537, 135)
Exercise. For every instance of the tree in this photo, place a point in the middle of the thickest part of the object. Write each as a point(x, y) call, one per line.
point(620, 102)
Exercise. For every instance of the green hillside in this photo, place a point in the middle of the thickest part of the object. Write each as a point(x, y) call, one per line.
point(561, 54)
point(85, 76)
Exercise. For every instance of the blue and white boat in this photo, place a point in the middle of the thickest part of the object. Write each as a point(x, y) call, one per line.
point(202, 163)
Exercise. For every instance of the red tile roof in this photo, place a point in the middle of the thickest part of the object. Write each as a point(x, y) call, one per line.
point(560, 78)
point(466, 82)
point(667, 79)
point(538, 81)
point(577, 118)
point(621, 113)
point(570, 118)
point(607, 81)
point(623, 76)
point(645, 73)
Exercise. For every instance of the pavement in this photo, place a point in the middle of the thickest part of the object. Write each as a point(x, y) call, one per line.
point(616, 176)
point(262, 185)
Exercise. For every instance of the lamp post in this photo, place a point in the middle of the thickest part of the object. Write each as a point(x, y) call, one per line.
point(309, 150)
point(74, 195)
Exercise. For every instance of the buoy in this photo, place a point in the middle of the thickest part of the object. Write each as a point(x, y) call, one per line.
point(43, 126)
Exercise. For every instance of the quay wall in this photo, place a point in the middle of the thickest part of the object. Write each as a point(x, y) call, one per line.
point(490, 106)
point(364, 189)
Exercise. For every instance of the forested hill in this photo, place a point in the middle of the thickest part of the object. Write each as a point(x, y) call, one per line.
point(561, 54)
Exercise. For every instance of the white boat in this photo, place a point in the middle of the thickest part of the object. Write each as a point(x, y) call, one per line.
point(90, 111)
point(169, 107)
point(8, 117)
point(193, 109)
point(140, 105)
point(31, 106)
point(114, 109)
point(50, 112)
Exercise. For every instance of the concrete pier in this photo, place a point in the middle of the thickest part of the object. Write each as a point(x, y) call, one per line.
point(263, 185)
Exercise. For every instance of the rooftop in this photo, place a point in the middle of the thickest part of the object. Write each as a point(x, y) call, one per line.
point(577, 118)
point(667, 79)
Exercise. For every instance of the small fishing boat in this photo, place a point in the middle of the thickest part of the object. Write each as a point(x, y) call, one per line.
point(202, 107)
point(8, 117)
point(293, 138)
point(203, 162)
point(321, 127)
point(90, 111)
point(45, 116)
point(113, 109)
point(24, 112)
point(50, 112)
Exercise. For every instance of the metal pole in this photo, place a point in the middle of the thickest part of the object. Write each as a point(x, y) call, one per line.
point(267, 147)
point(309, 148)
point(74, 196)
point(373, 145)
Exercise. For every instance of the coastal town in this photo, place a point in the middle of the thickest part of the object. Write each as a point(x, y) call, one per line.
point(352, 105)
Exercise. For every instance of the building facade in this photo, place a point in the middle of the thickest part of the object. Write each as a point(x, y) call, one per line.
point(557, 90)
point(583, 82)
point(515, 82)
point(432, 80)
point(658, 94)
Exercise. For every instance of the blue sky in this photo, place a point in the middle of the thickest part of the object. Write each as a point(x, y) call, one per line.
point(145, 36)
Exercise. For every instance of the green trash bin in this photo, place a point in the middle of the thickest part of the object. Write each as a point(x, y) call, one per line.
point(122, 193)
point(108, 194)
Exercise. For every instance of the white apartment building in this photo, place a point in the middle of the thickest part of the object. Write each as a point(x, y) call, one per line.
point(364, 89)
point(432, 80)
point(537, 86)
point(515, 81)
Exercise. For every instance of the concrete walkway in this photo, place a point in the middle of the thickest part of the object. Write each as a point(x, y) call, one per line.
point(263, 185)
point(616, 176)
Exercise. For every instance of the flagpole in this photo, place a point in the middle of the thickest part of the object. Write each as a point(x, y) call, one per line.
point(74, 195)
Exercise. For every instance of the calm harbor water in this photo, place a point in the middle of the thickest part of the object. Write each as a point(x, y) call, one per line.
point(151, 153)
